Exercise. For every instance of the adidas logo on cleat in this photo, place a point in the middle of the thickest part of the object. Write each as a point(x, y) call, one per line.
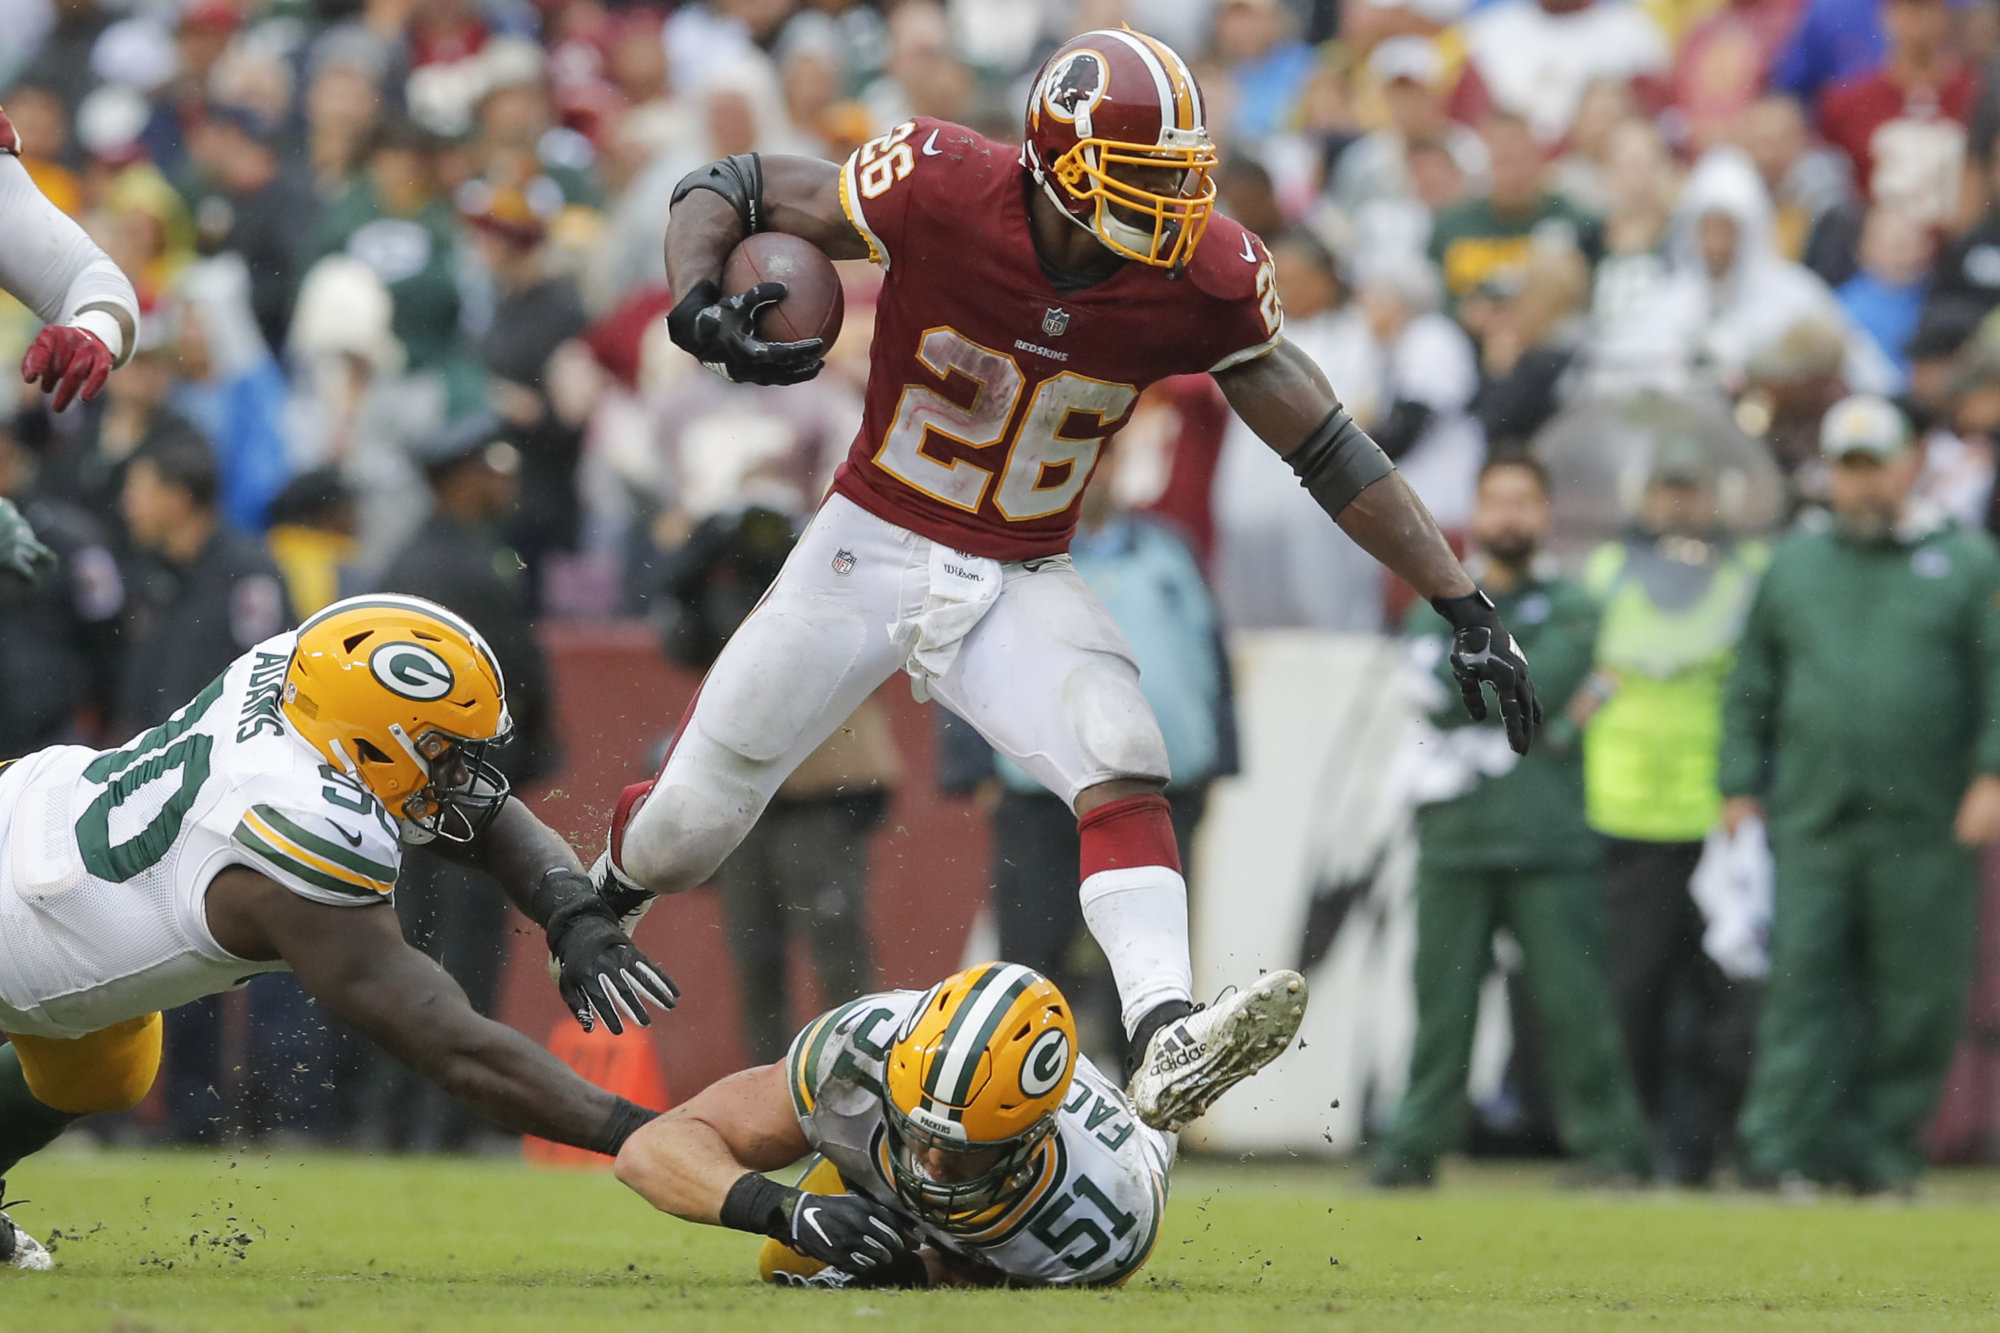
point(1177, 1051)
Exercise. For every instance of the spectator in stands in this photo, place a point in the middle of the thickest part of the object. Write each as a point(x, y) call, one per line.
point(452, 912)
point(1535, 58)
point(343, 104)
point(1902, 124)
point(1641, 181)
point(88, 468)
point(1430, 373)
point(58, 639)
point(1672, 600)
point(256, 203)
point(1502, 843)
point(1486, 240)
point(229, 384)
point(1885, 298)
point(1863, 716)
point(311, 538)
point(536, 315)
point(395, 219)
point(1815, 220)
point(1725, 63)
point(1278, 563)
point(1967, 282)
point(1732, 296)
point(1531, 352)
point(1372, 182)
point(1268, 68)
point(1836, 40)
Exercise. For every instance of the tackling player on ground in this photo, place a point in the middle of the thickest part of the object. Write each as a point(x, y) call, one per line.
point(260, 829)
point(1032, 292)
point(960, 1140)
point(88, 305)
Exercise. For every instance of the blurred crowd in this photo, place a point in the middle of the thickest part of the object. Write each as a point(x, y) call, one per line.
point(401, 269)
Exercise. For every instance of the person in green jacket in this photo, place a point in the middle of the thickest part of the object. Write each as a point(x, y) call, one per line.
point(1674, 595)
point(1864, 714)
point(1502, 842)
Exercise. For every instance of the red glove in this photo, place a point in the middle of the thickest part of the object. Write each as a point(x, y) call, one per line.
point(70, 363)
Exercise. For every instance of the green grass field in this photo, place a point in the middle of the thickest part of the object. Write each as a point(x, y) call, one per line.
point(283, 1242)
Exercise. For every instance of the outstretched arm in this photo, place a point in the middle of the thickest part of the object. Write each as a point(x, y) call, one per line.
point(57, 271)
point(354, 961)
point(600, 972)
point(703, 1161)
point(1285, 399)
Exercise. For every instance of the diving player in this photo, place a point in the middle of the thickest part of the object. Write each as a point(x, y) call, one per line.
point(960, 1139)
point(88, 305)
point(1032, 292)
point(259, 829)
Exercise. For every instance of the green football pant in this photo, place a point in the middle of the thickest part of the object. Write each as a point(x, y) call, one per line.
point(1874, 935)
point(1556, 917)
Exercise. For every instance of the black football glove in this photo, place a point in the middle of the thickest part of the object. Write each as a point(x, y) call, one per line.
point(21, 553)
point(599, 971)
point(721, 333)
point(906, 1272)
point(856, 1235)
point(1483, 652)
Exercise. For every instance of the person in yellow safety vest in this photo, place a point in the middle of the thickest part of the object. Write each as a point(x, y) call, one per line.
point(1674, 596)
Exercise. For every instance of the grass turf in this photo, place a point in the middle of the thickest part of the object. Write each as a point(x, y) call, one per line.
point(285, 1241)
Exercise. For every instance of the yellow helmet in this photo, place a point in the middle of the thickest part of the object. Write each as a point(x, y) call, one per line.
point(981, 1066)
point(404, 697)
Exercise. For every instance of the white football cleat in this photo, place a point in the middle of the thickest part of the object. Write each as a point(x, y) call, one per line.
point(1193, 1060)
point(20, 1250)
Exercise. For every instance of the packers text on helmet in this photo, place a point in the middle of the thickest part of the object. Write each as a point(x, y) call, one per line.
point(405, 697)
point(978, 1071)
point(1116, 138)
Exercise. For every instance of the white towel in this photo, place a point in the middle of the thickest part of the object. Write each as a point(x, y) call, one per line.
point(962, 590)
point(1732, 886)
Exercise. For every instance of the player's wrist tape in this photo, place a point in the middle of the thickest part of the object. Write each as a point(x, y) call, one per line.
point(623, 1122)
point(1338, 461)
point(739, 179)
point(563, 895)
point(760, 1206)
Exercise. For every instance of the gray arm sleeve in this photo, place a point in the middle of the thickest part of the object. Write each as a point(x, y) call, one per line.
point(1338, 461)
point(56, 270)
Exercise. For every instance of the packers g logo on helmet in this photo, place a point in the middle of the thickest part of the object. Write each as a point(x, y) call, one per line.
point(411, 670)
point(404, 697)
point(981, 1067)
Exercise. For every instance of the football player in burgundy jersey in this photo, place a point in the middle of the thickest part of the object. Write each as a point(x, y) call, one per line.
point(1033, 291)
point(91, 312)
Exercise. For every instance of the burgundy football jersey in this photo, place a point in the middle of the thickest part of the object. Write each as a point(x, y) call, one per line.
point(989, 391)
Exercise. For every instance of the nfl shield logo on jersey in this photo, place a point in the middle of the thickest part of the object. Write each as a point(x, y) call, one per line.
point(844, 562)
point(1054, 322)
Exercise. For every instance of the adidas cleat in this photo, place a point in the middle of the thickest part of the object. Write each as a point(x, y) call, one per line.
point(20, 1250)
point(1192, 1060)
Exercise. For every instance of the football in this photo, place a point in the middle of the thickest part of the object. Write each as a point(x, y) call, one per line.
point(813, 306)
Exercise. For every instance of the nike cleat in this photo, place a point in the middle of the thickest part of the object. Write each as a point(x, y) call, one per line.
point(20, 1250)
point(1190, 1062)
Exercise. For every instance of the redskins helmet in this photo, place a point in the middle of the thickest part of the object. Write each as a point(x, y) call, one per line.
point(406, 698)
point(982, 1065)
point(1114, 112)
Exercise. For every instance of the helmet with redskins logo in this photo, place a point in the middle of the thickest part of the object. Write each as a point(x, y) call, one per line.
point(981, 1065)
point(404, 697)
point(1116, 138)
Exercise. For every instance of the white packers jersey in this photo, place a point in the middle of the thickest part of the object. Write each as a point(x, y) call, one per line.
point(1090, 1220)
point(106, 857)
